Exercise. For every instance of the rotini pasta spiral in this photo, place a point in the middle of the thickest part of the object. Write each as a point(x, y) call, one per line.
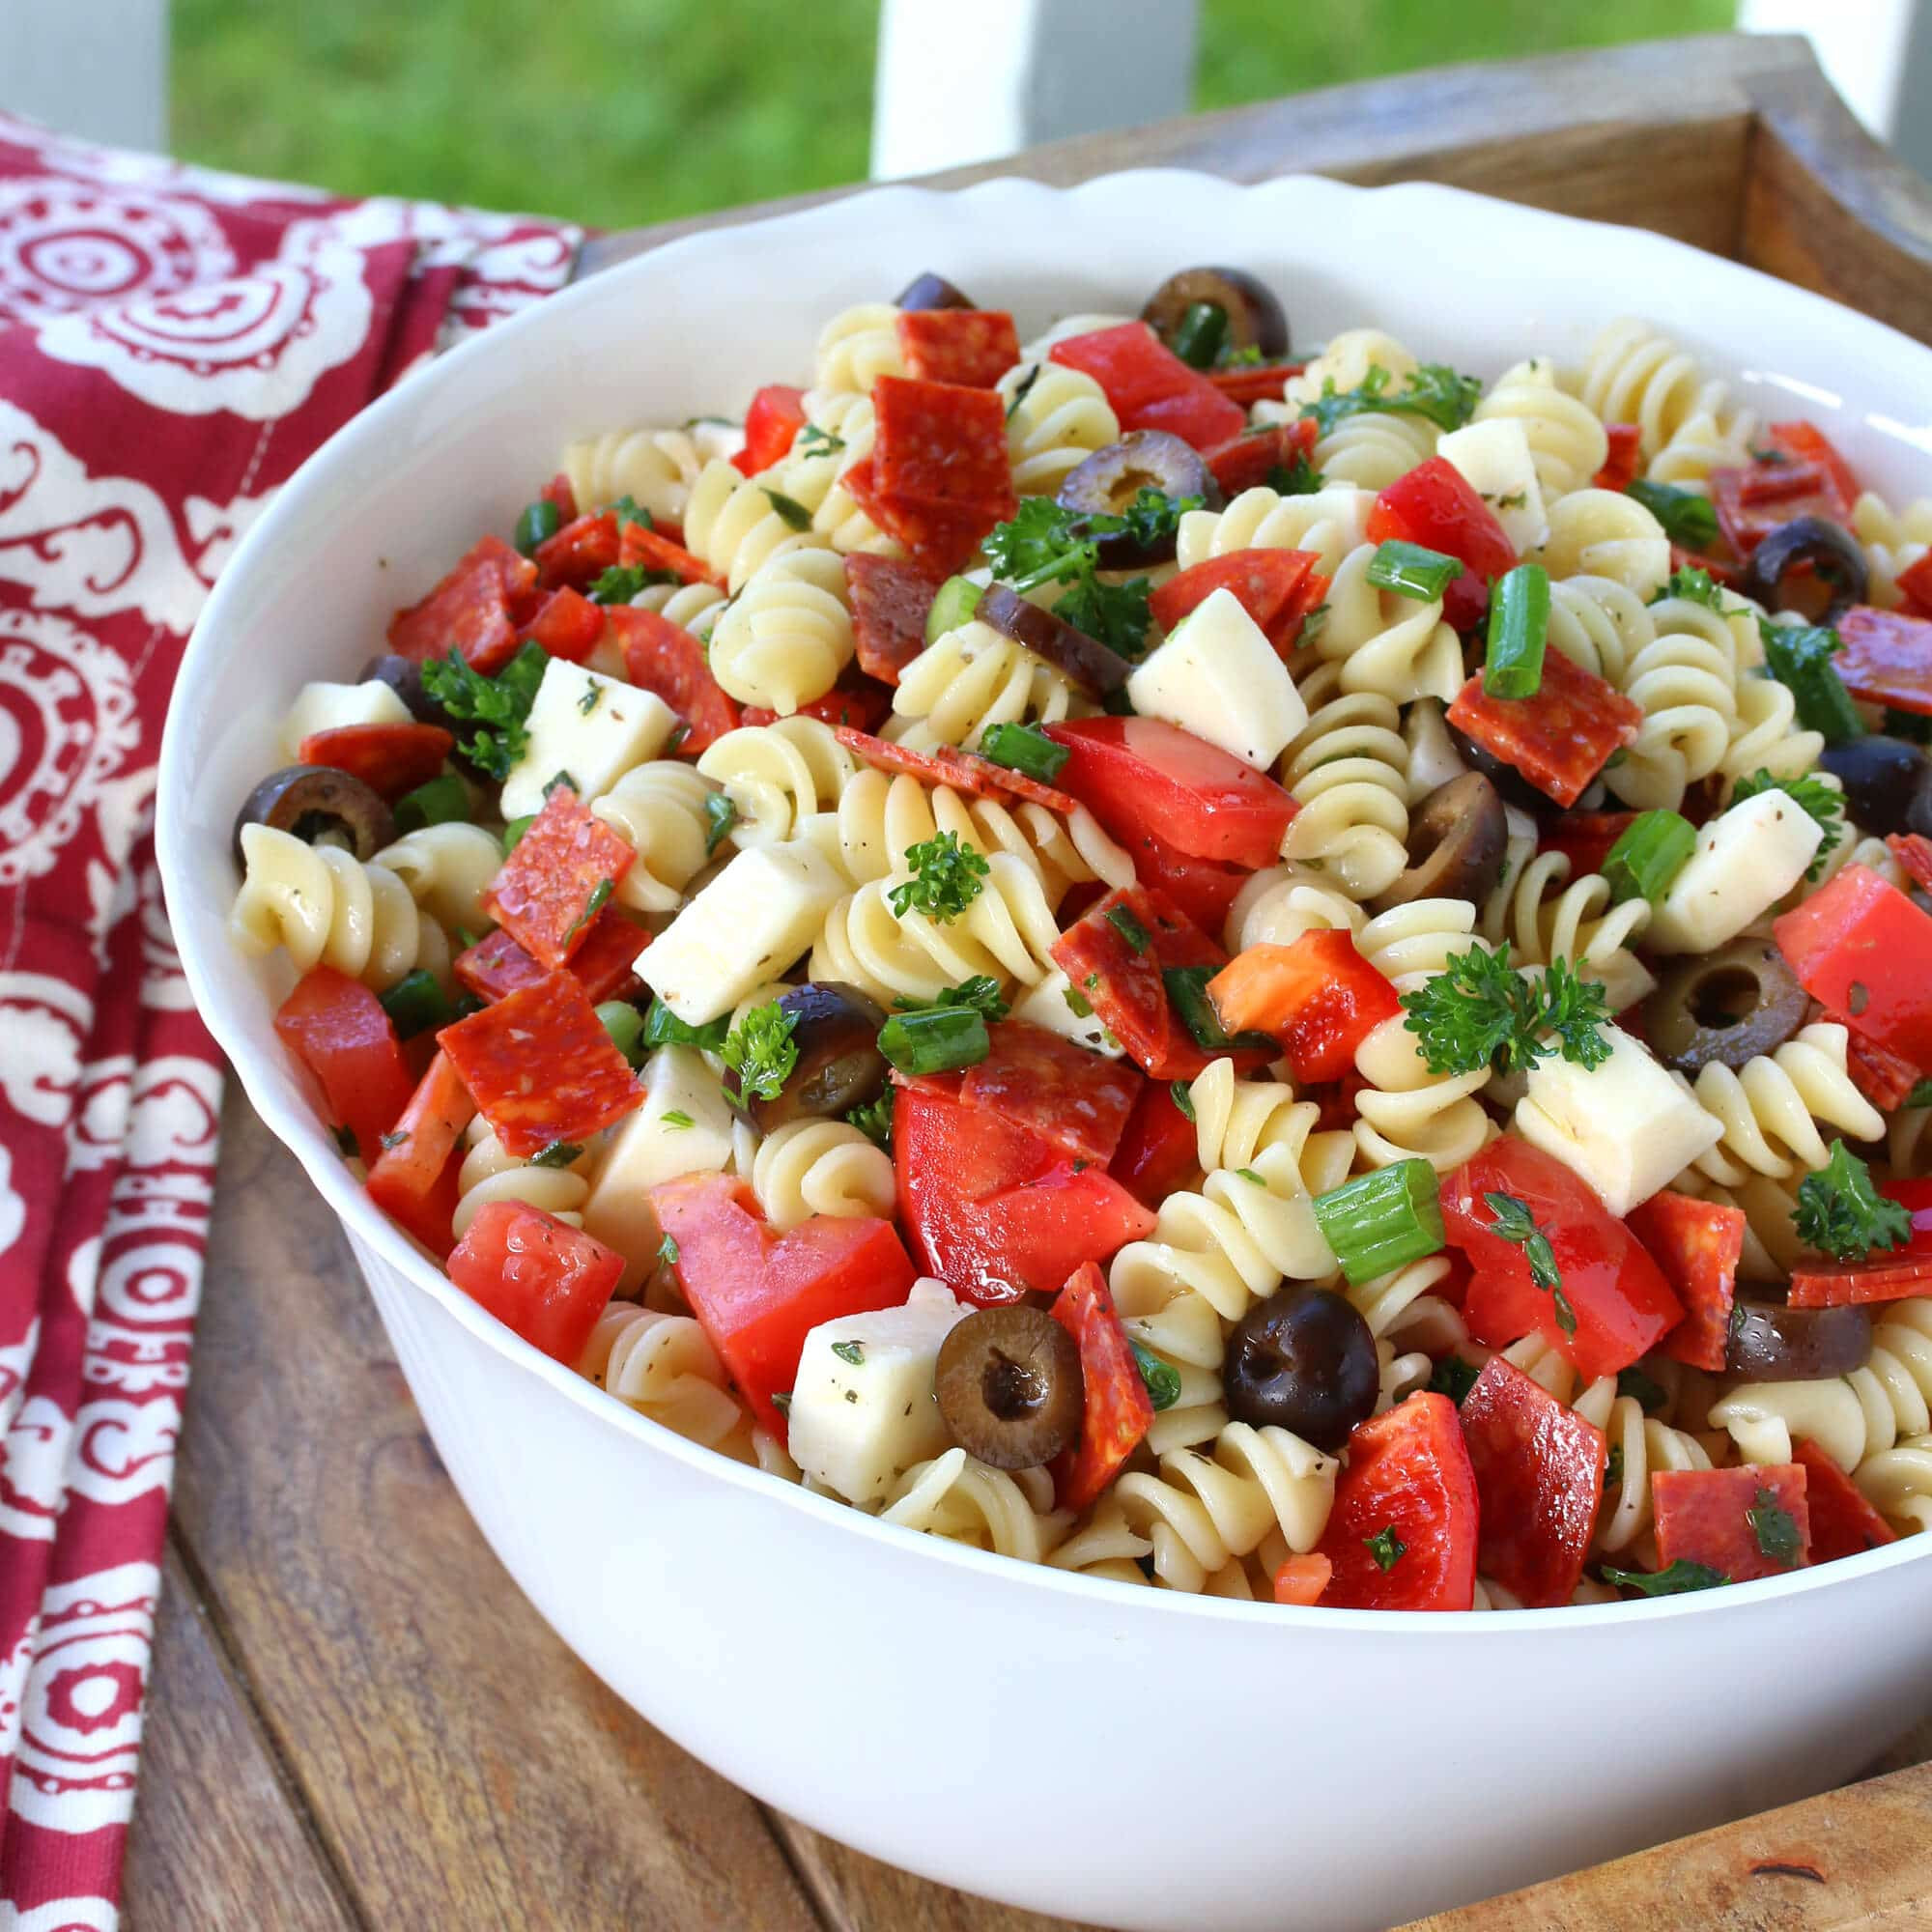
point(1104, 1546)
point(780, 776)
point(787, 634)
point(1348, 770)
point(1275, 907)
point(1056, 418)
point(448, 869)
point(1405, 1111)
point(658, 810)
point(820, 1167)
point(858, 346)
point(1640, 1445)
point(971, 677)
point(488, 1174)
point(1893, 541)
point(655, 467)
point(664, 1366)
point(694, 606)
point(819, 464)
point(1396, 647)
point(1545, 914)
point(1687, 685)
point(1600, 624)
point(1345, 364)
point(732, 523)
point(1604, 533)
point(1635, 375)
point(1371, 450)
point(1566, 441)
point(1412, 942)
point(1330, 523)
point(958, 1497)
point(1769, 1111)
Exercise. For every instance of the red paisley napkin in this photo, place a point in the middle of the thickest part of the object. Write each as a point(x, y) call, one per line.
point(173, 343)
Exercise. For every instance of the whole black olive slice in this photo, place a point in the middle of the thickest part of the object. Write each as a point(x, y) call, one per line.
point(1304, 1361)
point(1829, 547)
point(1515, 789)
point(315, 803)
point(1884, 781)
point(836, 1029)
point(1009, 1387)
point(1724, 1008)
point(930, 290)
point(1109, 480)
point(1772, 1342)
point(1458, 839)
point(1085, 659)
point(1256, 319)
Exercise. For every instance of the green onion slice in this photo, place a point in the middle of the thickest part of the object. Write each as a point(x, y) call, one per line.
point(936, 1040)
point(1649, 853)
point(515, 830)
point(958, 599)
point(1412, 571)
point(1383, 1220)
point(1519, 631)
point(1187, 994)
point(1800, 658)
point(1024, 747)
point(415, 1004)
point(539, 521)
point(1199, 334)
point(443, 801)
point(625, 1024)
point(1687, 517)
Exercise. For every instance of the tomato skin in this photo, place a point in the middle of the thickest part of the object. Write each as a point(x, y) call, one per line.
point(1203, 889)
point(1843, 1523)
point(579, 552)
point(559, 490)
point(1409, 1471)
point(413, 1179)
point(1201, 801)
point(538, 1275)
point(1622, 1303)
point(757, 1294)
point(1159, 1151)
point(1435, 505)
point(1699, 1245)
point(1318, 997)
point(1859, 946)
point(1620, 464)
point(1151, 388)
point(1701, 1518)
point(1119, 1411)
point(772, 423)
point(338, 1030)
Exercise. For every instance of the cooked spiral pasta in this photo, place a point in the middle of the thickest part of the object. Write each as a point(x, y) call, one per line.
point(1634, 375)
point(1546, 914)
point(1104, 1545)
point(1398, 1306)
point(1371, 450)
point(664, 1366)
point(958, 1497)
point(780, 776)
point(1348, 770)
point(658, 810)
point(1345, 364)
point(655, 467)
point(820, 1167)
point(1604, 533)
point(1414, 941)
point(858, 346)
point(1766, 735)
point(324, 907)
point(1405, 1111)
point(732, 523)
point(819, 464)
point(448, 869)
point(1599, 624)
point(787, 634)
point(1275, 907)
point(971, 678)
point(1769, 1111)
point(488, 1174)
point(1330, 523)
point(694, 606)
point(1397, 647)
point(1567, 442)
point(1640, 1445)
point(1059, 421)
point(1893, 541)
point(1688, 688)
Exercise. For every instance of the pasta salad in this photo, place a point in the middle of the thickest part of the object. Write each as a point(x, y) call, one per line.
point(1297, 976)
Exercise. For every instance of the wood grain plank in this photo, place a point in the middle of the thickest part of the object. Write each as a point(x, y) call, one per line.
point(461, 1765)
point(217, 1828)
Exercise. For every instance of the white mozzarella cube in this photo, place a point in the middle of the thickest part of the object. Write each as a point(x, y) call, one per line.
point(863, 1406)
point(741, 930)
point(1494, 459)
point(1218, 676)
point(1625, 1126)
point(1052, 1004)
point(326, 707)
point(594, 728)
point(1744, 862)
point(651, 1146)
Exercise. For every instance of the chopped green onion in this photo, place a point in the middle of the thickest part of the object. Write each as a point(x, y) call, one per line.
point(664, 1027)
point(1800, 657)
point(539, 521)
point(1123, 921)
point(625, 1024)
point(1024, 747)
point(1182, 1093)
point(1199, 334)
point(1412, 571)
point(958, 599)
point(935, 1040)
point(1163, 1379)
point(443, 801)
point(1649, 853)
point(1188, 995)
point(1519, 631)
point(515, 830)
point(790, 509)
point(1383, 1220)
point(1687, 518)
point(559, 1153)
point(415, 1004)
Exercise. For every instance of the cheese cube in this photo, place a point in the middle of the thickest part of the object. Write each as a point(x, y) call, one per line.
point(861, 1418)
point(1048, 1005)
point(594, 728)
point(1494, 459)
point(745, 928)
point(1625, 1126)
point(650, 1147)
point(1744, 862)
point(326, 707)
point(1218, 676)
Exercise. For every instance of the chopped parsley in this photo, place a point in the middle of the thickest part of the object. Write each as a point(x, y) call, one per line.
point(599, 897)
point(1776, 1529)
point(1480, 1011)
point(1840, 1212)
point(1435, 392)
point(980, 992)
point(679, 1118)
point(559, 1153)
point(499, 706)
point(622, 582)
point(1248, 1174)
point(761, 1052)
point(1694, 587)
point(945, 878)
point(1386, 1548)
point(593, 697)
point(850, 1351)
point(1299, 478)
point(668, 1251)
point(1681, 1576)
point(664, 1027)
point(1820, 802)
point(1687, 516)
point(1024, 390)
point(1078, 1003)
point(1163, 1379)
point(627, 510)
point(874, 1119)
point(1454, 1377)
point(1515, 1224)
point(721, 814)
point(1124, 921)
point(1613, 1465)
point(789, 509)
point(1181, 1095)
point(815, 442)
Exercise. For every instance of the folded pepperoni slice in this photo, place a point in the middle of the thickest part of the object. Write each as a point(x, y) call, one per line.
point(390, 759)
point(942, 446)
point(559, 878)
point(1119, 1410)
point(939, 541)
point(663, 657)
point(604, 961)
point(963, 771)
point(1699, 1245)
point(974, 347)
point(1560, 738)
point(471, 610)
point(890, 603)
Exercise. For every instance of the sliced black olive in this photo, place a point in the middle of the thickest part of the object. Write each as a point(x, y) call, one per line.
point(1255, 317)
point(404, 676)
point(1725, 1007)
point(317, 802)
point(1458, 839)
point(1830, 549)
point(839, 1066)
point(930, 290)
point(1009, 1387)
point(1887, 782)
point(1109, 480)
point(1088, 662)
point(1515, 789)
point(1771, 1342)
point(1304, 1361)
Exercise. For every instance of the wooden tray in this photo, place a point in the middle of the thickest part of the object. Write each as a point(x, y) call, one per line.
point(356, 1719)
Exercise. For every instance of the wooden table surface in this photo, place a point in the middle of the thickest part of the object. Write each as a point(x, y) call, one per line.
point(357, 1721)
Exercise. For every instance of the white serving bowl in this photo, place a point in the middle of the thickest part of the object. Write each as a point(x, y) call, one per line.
point(1078, 1746)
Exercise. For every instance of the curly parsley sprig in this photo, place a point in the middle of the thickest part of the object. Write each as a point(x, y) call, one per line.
point(761, 1052)
point(500, 706)
point(945, 878)
point(1840, 1212)
point(1480, 1011)
point(1435, 392)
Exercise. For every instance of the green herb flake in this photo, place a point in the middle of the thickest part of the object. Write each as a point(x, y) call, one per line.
point(945, 878)
point(593, 697)
point(1776, 1529)
point(1386, 1548)
point(1454, 1377)
point(622, 582)
point(1646, 1391)
point(1840, 1214)
point(1078, 1003)
point(1681, 1578)
point(815, 442)
point(627, 510)
point(1689, 519)
point(1161, 1379)
point(1299, 478)
point(1479, 1011)
point(663, 1028)
point(1182, 1093)
point(1692, 586)
point(1249, 1175)
point(721, 815)
point(1613, 1466)
point(789, 509)
point(559, 1153)
point(850, 1351)
point(677, 1118)
point(875, 1118)
point(599, 897)
point(1023, 389)
point(1515, 1224)
point(1122, 920)
point(761, 1052)
point(1435, 392)
point(667, 1251)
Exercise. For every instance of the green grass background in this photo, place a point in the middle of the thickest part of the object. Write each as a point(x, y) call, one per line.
point(623, 111)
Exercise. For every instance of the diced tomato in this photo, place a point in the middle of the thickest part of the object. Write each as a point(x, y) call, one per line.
point(939, 541)
point(1805, 442)
point(1203, 889)
point(1585, 837)
point(1561, 738)
point(538, 1275)
point(558, 878)
point(943, 446)
point(665, 658)
point(1915, 585)
point(1744, 1523)
point(1883, 1077)
point(568, 625)
point(388, 758)
point(541, 1067)
point(1401, 1534)
point(579, 552)
point(471, 611)
point(1150, 387)
point(603, 962)
point(994, 1210)
point(336, 1027)
point(1539, 1469)
point(1203, 419)
point(558, 491)
point(1309, 599)
point(1619, 1304)
point(1300, 1580)
point(1264, 582)
point(1160, 1150)
point(889, 604)
point(413, 1179)
point(757, 1294)
point(772, 425)
point(855, 704)
point(1698, 1245)
point(944, 764)
point(1884, 1277)
point(1843, 1522)
point(1252, 459)
point(1859, 946)
point(647, 549)
point(1119, 1411)
point(1435, 505)
point(974, 347)
point(1916, 1197)
point(1196, 796)
point(1619, 470)
point(1078, 1102)
point(1318, 997)
point(1252, 382)
point(1886, 658)
point(1753, 502)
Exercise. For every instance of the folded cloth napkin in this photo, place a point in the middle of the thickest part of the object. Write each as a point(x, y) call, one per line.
point(173, 343)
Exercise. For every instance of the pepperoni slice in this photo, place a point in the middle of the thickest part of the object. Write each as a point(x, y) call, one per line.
point(1884, 1078)
point(943, 447)
point(579, 552)
point(1119, 1410)
point(1250, 460)
point(471, 610)
point(604, 961)
point(540, 1067)
point(1077, 1100)
point(663, 657)
point(1252, 382)
point(974, 347)
point(556, 882)
point(890, 603)
point(1733, 1521)
point(1913, 849)
point(388, 758)
point(941, 542)
point(1561, 738)
point(654, 550)
point(1843, 1523)
point(1697, 1244)
point(963, 771)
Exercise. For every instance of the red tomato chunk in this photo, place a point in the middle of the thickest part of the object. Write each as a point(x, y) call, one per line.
point(772, 423)
point(1859, 946)
point(538, 1275)
point(1159, 1148)
point(1744, 1523)
point(1886, 658)
point(1320, 998)
point(1150, 387)
point(338, 1030)
point(559, 878)
point(413, 1179)
point(1119, 1410)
